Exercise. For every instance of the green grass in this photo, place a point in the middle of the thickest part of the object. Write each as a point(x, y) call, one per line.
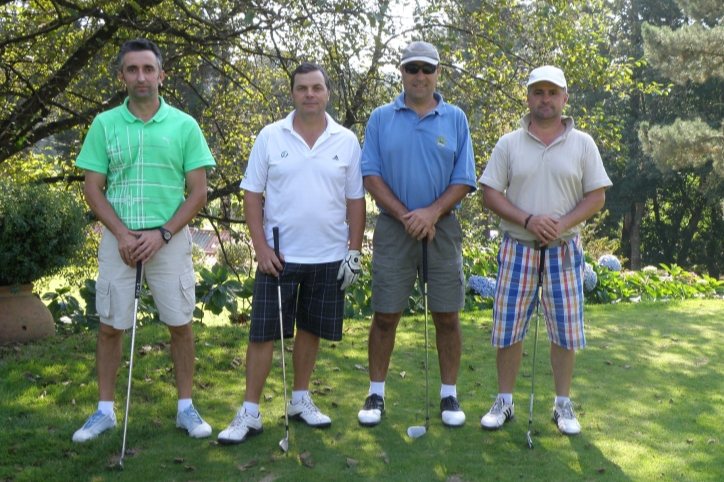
point(647, 389)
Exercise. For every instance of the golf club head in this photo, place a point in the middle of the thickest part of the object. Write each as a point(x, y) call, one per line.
point(530, 440)
point(416, 431)
point(284, 445)
point(120, 463)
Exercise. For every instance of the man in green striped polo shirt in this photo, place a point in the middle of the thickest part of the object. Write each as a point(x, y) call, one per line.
point(145, 179)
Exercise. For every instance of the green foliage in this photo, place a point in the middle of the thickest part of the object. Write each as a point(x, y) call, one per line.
point(647, 285)
point(358, 296)
point(67, 311)
point(41, 231)
point(217, 291)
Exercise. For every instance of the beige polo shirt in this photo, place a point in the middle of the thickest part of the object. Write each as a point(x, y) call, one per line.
point(542, 179)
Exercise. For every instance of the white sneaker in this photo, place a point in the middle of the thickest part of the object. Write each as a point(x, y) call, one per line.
point(564, 417)
point(498, 414)
point(308, 412)
point(451, 413)
point(193, 423)
point(243, 424)
point(371, 413)
point(96, 424)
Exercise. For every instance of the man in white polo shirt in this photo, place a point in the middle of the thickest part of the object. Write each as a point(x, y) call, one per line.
point(309, 168)
point(543, 180)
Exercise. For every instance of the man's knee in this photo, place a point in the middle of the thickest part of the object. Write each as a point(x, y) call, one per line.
point(386, 321)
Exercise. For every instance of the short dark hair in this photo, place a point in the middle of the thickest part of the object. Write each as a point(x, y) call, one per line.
point(139, 45)
point(306, 67)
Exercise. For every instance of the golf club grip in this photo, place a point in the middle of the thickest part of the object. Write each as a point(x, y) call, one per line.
point(139, 273)
point(541, 265)
point(275, 233)
point(424, 259)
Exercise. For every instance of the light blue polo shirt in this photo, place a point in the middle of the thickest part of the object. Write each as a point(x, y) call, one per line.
point(419, 158)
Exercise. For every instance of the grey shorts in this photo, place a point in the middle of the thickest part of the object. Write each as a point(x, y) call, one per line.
point(397, 260)
point(169, 275)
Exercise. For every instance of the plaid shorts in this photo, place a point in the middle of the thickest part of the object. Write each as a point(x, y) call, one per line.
point(516, 293)
point(310, 294)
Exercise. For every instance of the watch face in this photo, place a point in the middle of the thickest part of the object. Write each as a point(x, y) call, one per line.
point(167, 235)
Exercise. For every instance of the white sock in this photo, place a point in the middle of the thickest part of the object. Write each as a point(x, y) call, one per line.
point(560, 400)
point(377, 388)
point(448, 391)
point(105, 407)
point(252, 408)
point(183, 404)
point(298, 395)
point(507, 397)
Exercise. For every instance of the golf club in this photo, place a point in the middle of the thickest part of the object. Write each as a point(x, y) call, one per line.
point(283, 443)
point(139, 276)
point(539, 289)
point(418, 431)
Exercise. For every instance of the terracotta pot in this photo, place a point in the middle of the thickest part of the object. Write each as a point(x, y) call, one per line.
point(23, 316)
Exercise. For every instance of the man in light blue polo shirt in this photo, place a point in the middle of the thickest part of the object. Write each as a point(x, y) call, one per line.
point(418, 165)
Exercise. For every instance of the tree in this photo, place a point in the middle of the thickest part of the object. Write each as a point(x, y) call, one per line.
point(693, 144)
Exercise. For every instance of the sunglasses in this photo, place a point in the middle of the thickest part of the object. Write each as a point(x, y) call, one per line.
point(427, 69)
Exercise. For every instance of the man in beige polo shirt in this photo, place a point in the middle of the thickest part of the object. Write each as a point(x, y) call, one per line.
point(543, 180)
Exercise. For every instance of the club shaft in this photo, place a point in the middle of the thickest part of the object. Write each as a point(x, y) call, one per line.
point(427, 357)
point(275, 233)
point(137, 294)
point(539, 294)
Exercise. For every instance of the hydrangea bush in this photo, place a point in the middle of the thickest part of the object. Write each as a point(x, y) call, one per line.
point(590, 278)
point(610, 262)
point(483, 285)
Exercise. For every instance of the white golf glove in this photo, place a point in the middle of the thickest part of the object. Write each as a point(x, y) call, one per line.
point(350, 269)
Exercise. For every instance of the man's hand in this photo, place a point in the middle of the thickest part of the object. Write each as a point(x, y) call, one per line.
point(350, 268)
point(420, 223)
point(267, 260)
point(147, 244)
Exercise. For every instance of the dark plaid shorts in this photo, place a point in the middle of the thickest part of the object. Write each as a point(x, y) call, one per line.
point(310, 296)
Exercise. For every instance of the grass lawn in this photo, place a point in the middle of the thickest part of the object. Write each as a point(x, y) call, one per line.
point(648, 391)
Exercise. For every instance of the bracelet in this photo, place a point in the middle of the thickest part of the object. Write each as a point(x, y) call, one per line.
point(526, 221)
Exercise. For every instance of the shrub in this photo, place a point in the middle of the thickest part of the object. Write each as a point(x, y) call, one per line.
point(41, 231)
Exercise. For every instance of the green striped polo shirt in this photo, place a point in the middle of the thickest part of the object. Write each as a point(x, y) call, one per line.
point(145, 163)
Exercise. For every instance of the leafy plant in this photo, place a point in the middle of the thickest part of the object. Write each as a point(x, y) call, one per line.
point(67, 311)
point(41, 231)
point(217, 291)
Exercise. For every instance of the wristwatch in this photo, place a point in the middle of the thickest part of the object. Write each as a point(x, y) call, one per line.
point(166, 234)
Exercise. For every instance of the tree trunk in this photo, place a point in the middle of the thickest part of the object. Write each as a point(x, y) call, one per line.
point(635, 236)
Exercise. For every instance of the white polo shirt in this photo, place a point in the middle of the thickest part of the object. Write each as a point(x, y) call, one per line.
point(306, 189)
point(542, 179)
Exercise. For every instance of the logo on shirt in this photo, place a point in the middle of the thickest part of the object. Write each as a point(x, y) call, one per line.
point(166, 140)
point(441, 141)
point(285, 154)
point(335, 158)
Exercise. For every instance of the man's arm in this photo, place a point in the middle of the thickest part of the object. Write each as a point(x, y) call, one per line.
point(421, 222)
point(254, 216)
point(383, 195)
point(149, 242)
point(591, 203)
point(94, 192)
point(356, 214)
point(544, 227)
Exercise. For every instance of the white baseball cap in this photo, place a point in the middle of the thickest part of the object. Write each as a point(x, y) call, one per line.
point(547, 73)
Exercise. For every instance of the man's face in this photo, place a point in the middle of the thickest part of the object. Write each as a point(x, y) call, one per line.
point(419, 86)
point(546, 100)
point(141, 75)
point(310, 94)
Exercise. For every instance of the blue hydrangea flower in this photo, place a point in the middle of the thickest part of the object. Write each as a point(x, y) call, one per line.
point(610, 262)
point(590, 278)
point(483, 286)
